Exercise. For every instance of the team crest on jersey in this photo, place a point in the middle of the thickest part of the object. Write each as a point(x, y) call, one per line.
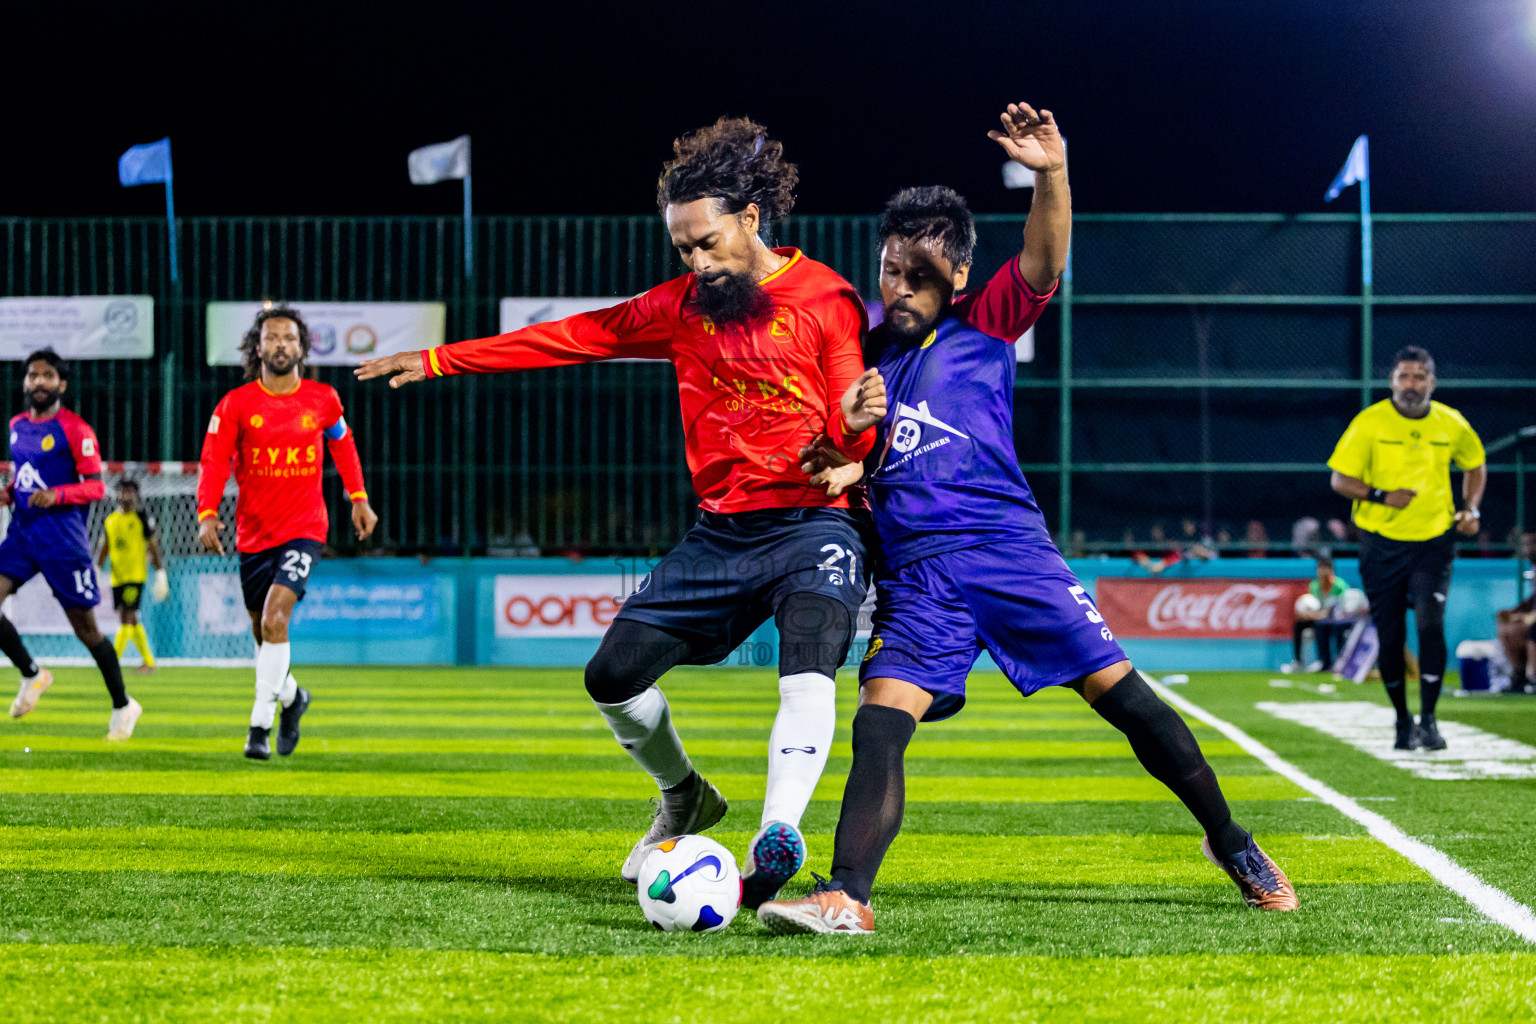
point(213, 424)
point(29, 479)
point(780, 328)
point(256, 420)
point(47, 442)
point(307, 422)
point(875, 643)
point(707, 324)
point(88, 446)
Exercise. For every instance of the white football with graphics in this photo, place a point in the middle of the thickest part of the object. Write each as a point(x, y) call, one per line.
point(1308, 604)
point(689, 884)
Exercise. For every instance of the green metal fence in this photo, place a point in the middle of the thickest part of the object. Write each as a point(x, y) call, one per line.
point(1191, 367)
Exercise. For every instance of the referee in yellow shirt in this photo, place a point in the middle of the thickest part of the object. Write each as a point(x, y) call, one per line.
point(1394, 461)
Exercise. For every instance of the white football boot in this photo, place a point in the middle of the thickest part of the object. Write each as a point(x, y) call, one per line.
point(31, 689)
point(684, 813)
point(123, 720)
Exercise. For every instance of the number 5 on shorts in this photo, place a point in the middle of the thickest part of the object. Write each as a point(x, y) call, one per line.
point(1081, 597)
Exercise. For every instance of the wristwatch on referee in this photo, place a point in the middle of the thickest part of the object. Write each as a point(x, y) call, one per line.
point(1472, 511)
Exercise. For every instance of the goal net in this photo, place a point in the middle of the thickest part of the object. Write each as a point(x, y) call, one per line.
point(203, 621)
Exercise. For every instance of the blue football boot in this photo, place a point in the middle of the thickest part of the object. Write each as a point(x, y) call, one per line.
point(773, 857)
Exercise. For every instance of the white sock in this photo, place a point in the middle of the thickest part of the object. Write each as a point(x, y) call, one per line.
point(799, 743)
point(643, 726)
point(271, 668)
point(289, 691)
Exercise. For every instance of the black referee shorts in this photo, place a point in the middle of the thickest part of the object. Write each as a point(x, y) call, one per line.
point(1397, 574)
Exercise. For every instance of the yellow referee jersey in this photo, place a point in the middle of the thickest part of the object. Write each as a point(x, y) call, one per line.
point(128, 536)
point(1388, 450)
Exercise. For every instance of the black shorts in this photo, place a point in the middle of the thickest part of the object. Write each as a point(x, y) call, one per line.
point(287, 565)
point(1398, 574)
point(127, 596)
point(733, 570)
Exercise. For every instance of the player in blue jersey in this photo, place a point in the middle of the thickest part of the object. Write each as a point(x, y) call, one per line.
point(58, 475)
point(967, 563)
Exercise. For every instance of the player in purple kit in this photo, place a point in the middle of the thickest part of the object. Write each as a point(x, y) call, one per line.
point(967, 561)
point(58, 475)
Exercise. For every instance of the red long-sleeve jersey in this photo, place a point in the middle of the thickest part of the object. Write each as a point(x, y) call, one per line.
point(272, 442)
point(752, 397)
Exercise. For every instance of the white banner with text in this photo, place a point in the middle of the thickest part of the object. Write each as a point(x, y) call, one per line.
point(79, 326)
point(341, 333)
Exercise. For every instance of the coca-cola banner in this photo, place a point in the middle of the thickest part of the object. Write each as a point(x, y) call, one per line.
point(1236, 609)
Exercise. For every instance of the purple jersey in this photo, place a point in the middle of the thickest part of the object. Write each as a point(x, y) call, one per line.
point(946, 475)
point(52, 453)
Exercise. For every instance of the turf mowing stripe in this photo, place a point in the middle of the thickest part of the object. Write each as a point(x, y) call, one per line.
point(1493, 903)
point(597, 785)
point(925, 860)
point(605, 746)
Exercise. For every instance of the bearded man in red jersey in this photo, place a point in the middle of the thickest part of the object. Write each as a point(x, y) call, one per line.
point(269, 432)
point(765, 342)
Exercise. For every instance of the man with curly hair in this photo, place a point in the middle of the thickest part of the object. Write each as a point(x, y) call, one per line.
point(269, 432)
point(765, 342)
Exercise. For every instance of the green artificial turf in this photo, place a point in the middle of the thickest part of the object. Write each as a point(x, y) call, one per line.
point(445, 845)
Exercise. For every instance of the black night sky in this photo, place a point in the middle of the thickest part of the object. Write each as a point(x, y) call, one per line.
point(1186, 105)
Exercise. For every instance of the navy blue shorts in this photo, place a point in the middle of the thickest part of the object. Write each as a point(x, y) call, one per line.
point(287, 565)
point(733, 570)
point(70, 574)
point(1021, 604)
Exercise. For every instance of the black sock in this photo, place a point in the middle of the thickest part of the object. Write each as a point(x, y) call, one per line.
point(874, 798)
point(686, 784)
point(111, 671)
point(1398, 693)
point(1429, 696)
point(11, 645)
point(1168, 751)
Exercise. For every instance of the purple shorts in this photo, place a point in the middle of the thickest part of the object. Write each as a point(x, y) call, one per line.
point(1021, 604)
point(69, 573)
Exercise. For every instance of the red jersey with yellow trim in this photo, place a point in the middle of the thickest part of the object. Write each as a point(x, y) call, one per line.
point(272, 442)
point(752, 395)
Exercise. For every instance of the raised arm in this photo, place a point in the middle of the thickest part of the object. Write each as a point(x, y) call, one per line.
point(1032, 140)
point(640, 328)
point(850, 424)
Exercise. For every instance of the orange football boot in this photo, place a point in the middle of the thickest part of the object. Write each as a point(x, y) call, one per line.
point(828, 910)
point(1258, 878)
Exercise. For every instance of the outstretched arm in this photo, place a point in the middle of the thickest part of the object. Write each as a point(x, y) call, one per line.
point(1032, 140)
point(637, 329)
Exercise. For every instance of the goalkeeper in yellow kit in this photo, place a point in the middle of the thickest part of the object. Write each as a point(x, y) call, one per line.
point(131, 543)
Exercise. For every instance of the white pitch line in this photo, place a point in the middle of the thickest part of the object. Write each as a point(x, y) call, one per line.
point(1493, 903)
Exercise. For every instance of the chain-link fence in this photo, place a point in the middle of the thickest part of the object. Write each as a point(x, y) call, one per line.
point(1195, 367)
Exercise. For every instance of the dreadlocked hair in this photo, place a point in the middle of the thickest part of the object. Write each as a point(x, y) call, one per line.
point(733, 161)
point(250, 345)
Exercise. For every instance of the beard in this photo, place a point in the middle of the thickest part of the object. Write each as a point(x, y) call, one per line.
point(42, 399)
point(1412, 400)
point(278, 363)
point(728, 298)
point(908, 328)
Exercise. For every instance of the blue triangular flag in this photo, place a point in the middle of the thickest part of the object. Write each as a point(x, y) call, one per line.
point(1356, 168)
point(148, 164)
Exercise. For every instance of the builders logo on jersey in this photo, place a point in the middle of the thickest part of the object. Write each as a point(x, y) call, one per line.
point(908, 434)
point(29, 479)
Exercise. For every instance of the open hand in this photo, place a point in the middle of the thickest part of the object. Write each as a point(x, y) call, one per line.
point(827, 467)
point(1031, 139)
point(402, 368)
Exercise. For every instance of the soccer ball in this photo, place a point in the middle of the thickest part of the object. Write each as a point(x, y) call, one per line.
point(689, 884)
point(1308, 604)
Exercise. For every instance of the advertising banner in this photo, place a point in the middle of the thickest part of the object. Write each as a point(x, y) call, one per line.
point(79, 326)
point(341, 333)
point(525, 311)
point(359, 606)
point(529, 607)
point(1252, 609)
